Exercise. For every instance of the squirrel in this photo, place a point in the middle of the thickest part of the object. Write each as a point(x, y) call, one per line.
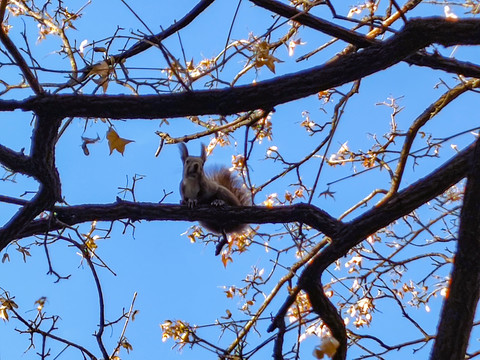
point(217, 187)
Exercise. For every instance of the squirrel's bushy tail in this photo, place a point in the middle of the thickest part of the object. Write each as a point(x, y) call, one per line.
point(224, 177)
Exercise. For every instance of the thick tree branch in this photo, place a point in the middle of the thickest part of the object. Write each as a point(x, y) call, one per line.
point(401, 204)
point(42, 152)
point(438, 62)
point(42, 160)
point(307, 214)
point(11, 231)
point(329, 314)
point(17, 162)
point(10, 105)
point(459, 307)
point(316, 23)
point(434, 61)
point(417, 34)
point(71, 215)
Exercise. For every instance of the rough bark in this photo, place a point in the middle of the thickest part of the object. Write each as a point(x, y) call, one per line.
point(416, 35)
point(458, 311)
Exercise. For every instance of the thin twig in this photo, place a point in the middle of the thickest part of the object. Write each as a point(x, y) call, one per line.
point(127, 320)
point(427, 115)
point(12, 49)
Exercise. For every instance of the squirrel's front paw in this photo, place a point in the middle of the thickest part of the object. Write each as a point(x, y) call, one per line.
point(191, 203)
point(218, 202)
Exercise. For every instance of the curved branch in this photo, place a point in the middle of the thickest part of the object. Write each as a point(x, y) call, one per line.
point(72, 215)
point(314, 22)
point(42, 167)
point(434, 61)
point(329, 314)
point(402, 203)
point(416, 35)
point(307, 214)
point(15, 161)
point(420, 121)
point(458, 311)
point(345, 236)
point(148, 42)
point(48, 334)
point(177, 25)
point(101, 305)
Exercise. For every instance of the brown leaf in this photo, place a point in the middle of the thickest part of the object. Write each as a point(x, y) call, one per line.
point(115, 142)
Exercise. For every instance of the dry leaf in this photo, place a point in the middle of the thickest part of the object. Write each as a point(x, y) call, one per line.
point(87, 141)
point(328, 346)
point(103, 70)
point(115, 142)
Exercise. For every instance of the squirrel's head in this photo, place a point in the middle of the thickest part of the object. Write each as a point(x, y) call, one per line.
point(192, 165)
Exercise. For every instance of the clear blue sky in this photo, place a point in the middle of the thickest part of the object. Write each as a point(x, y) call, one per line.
point(175, 279)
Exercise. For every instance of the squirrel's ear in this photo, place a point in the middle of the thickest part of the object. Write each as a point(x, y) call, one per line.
point(183, 151)
point(203, 153)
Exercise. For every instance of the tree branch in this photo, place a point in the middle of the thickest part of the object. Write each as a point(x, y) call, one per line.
point(458, 311)
point(329, 314)
point(345, 235)
point(17, 162)
point(316, 23)
point(401, 204)
point(42, 166)
point(420, 121)
point(417, 34)
point(72, 215)
point(434, 61)
point(19, 60)
point(148, 42)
